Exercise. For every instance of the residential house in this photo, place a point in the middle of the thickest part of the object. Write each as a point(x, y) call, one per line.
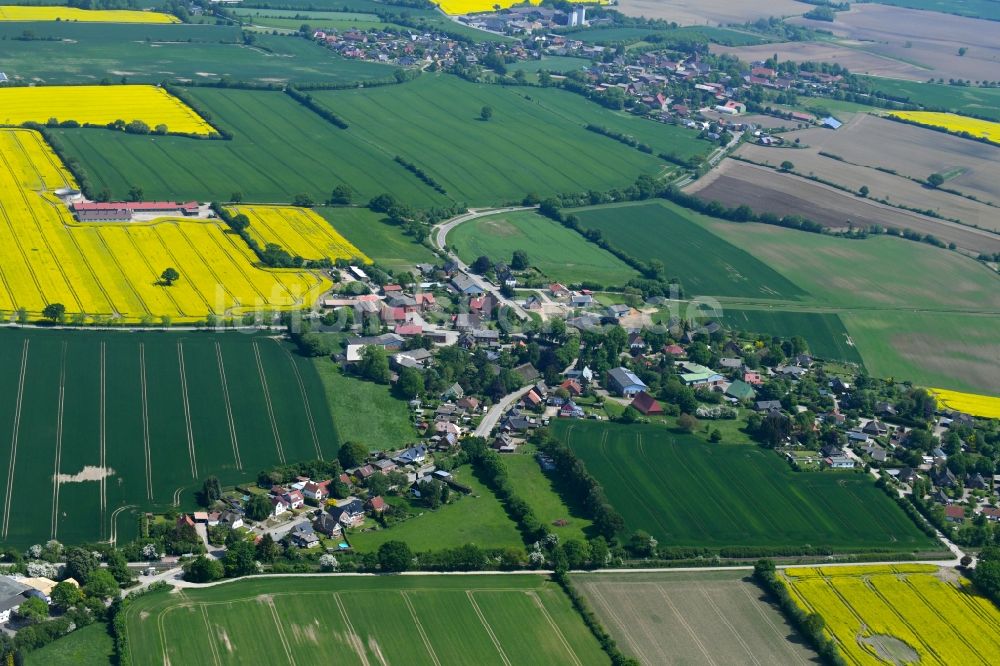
point(954, 513)
point(527, 372)
point(991, 513)
point(646, 404)
point(278, 506)
point(875, 428)
point(558, 291)
point(231, 519)
point(328, 525)
point(350, 512)
point(316, 492)
point(618, 311)
point(584, 375)
point(294, 499)
point(12, 594)
point(504, 443)
point(412, 455)
point(636, 343)
point(731, 363)
point(376, 504)
point(581, 300)
point(943, 477)
point(384, 466)
point(466, 285)
point(674, 350)
point(840, 462)
point(624, 382)
point(570, 409)
point(303, 535)
point(573, 387)
point(767, 406)
point(741, 390)
point(454, 392)
point(469, 403)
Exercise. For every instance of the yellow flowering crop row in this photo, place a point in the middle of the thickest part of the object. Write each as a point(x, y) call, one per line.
point(300, 231)
point(111, 270)
point(100, 105)
point(942, 623)
point(954, 123)
point(969, 403)
point(31, 13)
point(859, 569)
point(454, 7)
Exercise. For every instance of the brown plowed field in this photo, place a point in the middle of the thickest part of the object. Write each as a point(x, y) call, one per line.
point(855, 60)
point(764, 190)
point(711, 12)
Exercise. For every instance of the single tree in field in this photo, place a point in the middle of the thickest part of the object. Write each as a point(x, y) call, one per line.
point(394, 556)
point(135, 193)
point(787, 166)
point(935, 180)
point(519, 260)
point(169, 276)
point(211, 490)
point(54, 311)
point(341, 195)
point(863, 191)
point(486, 112)
point(236, 197)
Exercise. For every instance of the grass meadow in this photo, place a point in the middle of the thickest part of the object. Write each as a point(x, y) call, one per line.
point(478, 518)
point(561, 254)
point(371, 233)
point(413, 620)
point(692, 617)
point(545, 496)
point(705, 266)
point(688, 493)
point(68, 52)
point(825, 332)
point(139, 420)
point(92, 644)
point(958, 99)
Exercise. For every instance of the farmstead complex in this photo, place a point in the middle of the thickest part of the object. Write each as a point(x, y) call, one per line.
point(460, 332)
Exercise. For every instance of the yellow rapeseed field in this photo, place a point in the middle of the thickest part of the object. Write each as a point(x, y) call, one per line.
point(954, 123)
point(300, 231)
point(936, 619)
point(969, 403)
point(100, 105)
point(30, 13)
point(454, 7)
point(110, 270)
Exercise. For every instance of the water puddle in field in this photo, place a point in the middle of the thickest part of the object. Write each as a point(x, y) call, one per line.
point(890, 649)
point(88, 473)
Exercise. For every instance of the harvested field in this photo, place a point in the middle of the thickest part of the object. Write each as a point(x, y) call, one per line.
point(914, 152)
point(854, 59)
point(722, 12)
point(927, 39)
point(896, 190)
point(702, 617)
point(766, 190)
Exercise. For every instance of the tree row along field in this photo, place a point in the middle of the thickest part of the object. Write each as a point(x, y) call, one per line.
point(413, 620)
point(113, 271)
point(901, 613)
point(102, 421)
point(685, 492)
point(280, 148)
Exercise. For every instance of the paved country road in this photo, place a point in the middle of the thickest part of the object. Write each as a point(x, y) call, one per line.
point(489, 421)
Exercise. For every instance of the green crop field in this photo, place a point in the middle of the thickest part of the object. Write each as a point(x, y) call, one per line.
point(719, 617)
point(90, 645)
point(478, 518)
point(67, 52)
point(561, 514)
point(555, 64)
point(137, 421)
point(536, 140)
point(824, 332)
point(364, 411)
point(985, 9)
point(279, 148)
point(705, 264)
point(983, 102)
point(688, 33)
point(688, 493)
point(371, 233)
point(412, 620)
point(561, 254)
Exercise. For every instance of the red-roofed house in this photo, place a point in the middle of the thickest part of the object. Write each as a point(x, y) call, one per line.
point(572, 386)
point(752, 377)
point(558, 291)
point(646, 404)
point(316, 491)
point(531, 399)
point(954, 514)
point(425, 300)
point(294, 499)
point(408, 329)
point(390, 314)
point(392, 290)
point(376, 504)
point(674, 350)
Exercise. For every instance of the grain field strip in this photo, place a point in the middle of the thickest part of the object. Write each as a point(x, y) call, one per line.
point(270, 407)
point(187, 411)
point(281, 632)
point(57, 463)
point(777, 634)
point(555, 628)
point(102, 433)
point(229, 407)
point(729, 625)
point(486, 626)
point(684, 623)
point(211, 637)
point(13, 440)
point(305, 402)
point(352, 635)
point(420, 629)
point(609, 609)
point(145, 421)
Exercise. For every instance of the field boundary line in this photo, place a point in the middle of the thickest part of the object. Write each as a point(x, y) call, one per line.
point(13, 437)
point(555, 628)
point(420, 628)
point(725, 621)
point(760, 611)
point(486, 626)
point(281, 631)
point(267, 400)
point(305, 400)
point(229, 406)
point(57, 463)
point(145, 421)
point(102, 434)
point(211, 638)
point(353, 636)
point(684, 623)
point(187, 410)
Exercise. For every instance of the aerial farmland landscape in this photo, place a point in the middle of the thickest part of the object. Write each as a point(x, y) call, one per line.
point(447, 332)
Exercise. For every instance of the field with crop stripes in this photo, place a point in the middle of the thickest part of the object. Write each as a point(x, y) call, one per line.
point(885, 613)
point(986, 406)
point(100, 105)
point(35, 13)
point(954, 123)
point(688, 493)
point(112, 270)
point(98, 426)
point(300, 231)
point(406, 620)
